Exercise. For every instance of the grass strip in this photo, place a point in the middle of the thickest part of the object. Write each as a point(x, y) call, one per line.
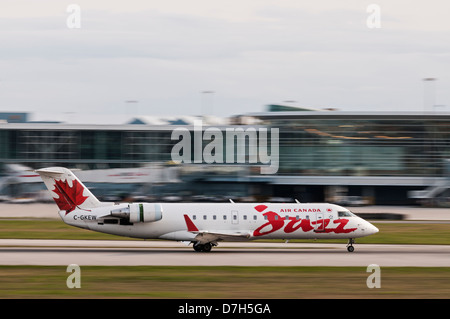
point(223, 282)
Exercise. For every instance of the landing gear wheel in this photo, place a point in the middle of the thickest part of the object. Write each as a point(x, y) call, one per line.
point(350, 247)
point(198, 247)
point(203, 247)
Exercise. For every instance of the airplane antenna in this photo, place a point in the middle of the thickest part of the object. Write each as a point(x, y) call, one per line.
point(297, 201)
point(231, 201)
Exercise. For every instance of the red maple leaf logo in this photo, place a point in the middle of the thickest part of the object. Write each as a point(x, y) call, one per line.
point(69, 197)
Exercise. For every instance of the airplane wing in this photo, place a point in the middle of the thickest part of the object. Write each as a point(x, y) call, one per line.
point(207, 236)
point(211, 236)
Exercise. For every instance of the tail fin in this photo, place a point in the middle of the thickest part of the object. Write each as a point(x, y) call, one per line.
point(67, 190)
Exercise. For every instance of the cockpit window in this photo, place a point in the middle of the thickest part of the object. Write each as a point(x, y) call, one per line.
point(345, 214)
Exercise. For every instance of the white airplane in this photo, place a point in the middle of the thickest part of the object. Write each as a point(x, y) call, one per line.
point(202, 224)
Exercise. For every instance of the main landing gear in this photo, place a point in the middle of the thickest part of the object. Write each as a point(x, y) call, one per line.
point(350, 247)
point(203, 247)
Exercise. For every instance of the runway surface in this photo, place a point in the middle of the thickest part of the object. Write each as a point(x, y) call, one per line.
point(160, 253)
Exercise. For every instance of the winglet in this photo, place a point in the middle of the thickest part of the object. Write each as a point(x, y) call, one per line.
point(190, 225)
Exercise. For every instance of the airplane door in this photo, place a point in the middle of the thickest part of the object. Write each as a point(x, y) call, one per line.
point(234, 217)
point(320, 223)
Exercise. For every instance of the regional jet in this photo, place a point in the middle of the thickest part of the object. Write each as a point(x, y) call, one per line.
point(202, 224)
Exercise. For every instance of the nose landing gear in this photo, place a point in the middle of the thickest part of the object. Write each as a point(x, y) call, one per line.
point(350, 247)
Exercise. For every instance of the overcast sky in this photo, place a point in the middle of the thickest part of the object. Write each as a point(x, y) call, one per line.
point(250, 53)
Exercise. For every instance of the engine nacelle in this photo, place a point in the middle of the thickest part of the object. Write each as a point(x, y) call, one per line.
point(145, 212)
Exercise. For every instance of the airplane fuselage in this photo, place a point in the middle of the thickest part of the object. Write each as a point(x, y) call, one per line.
point(252, 221)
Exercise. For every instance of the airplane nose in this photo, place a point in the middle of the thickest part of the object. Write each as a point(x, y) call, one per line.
point(371, 229)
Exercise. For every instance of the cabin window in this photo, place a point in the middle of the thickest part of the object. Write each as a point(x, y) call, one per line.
point(254, 217)
point(194, 217)
point(245, 217)
point(297, 217)
point(204, 217)
point(287, 217)
point(214, 217)
point(224, 217)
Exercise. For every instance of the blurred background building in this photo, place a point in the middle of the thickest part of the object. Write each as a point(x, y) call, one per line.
point(351, 158)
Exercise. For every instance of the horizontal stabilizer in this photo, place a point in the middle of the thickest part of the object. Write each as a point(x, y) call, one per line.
point(49, 171)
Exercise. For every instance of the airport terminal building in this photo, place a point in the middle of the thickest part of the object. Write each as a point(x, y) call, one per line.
point(383, 158)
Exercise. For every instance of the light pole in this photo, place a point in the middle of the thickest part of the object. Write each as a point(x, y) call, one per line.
point(136, 102)
point(204, 97)
point(429, 93)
